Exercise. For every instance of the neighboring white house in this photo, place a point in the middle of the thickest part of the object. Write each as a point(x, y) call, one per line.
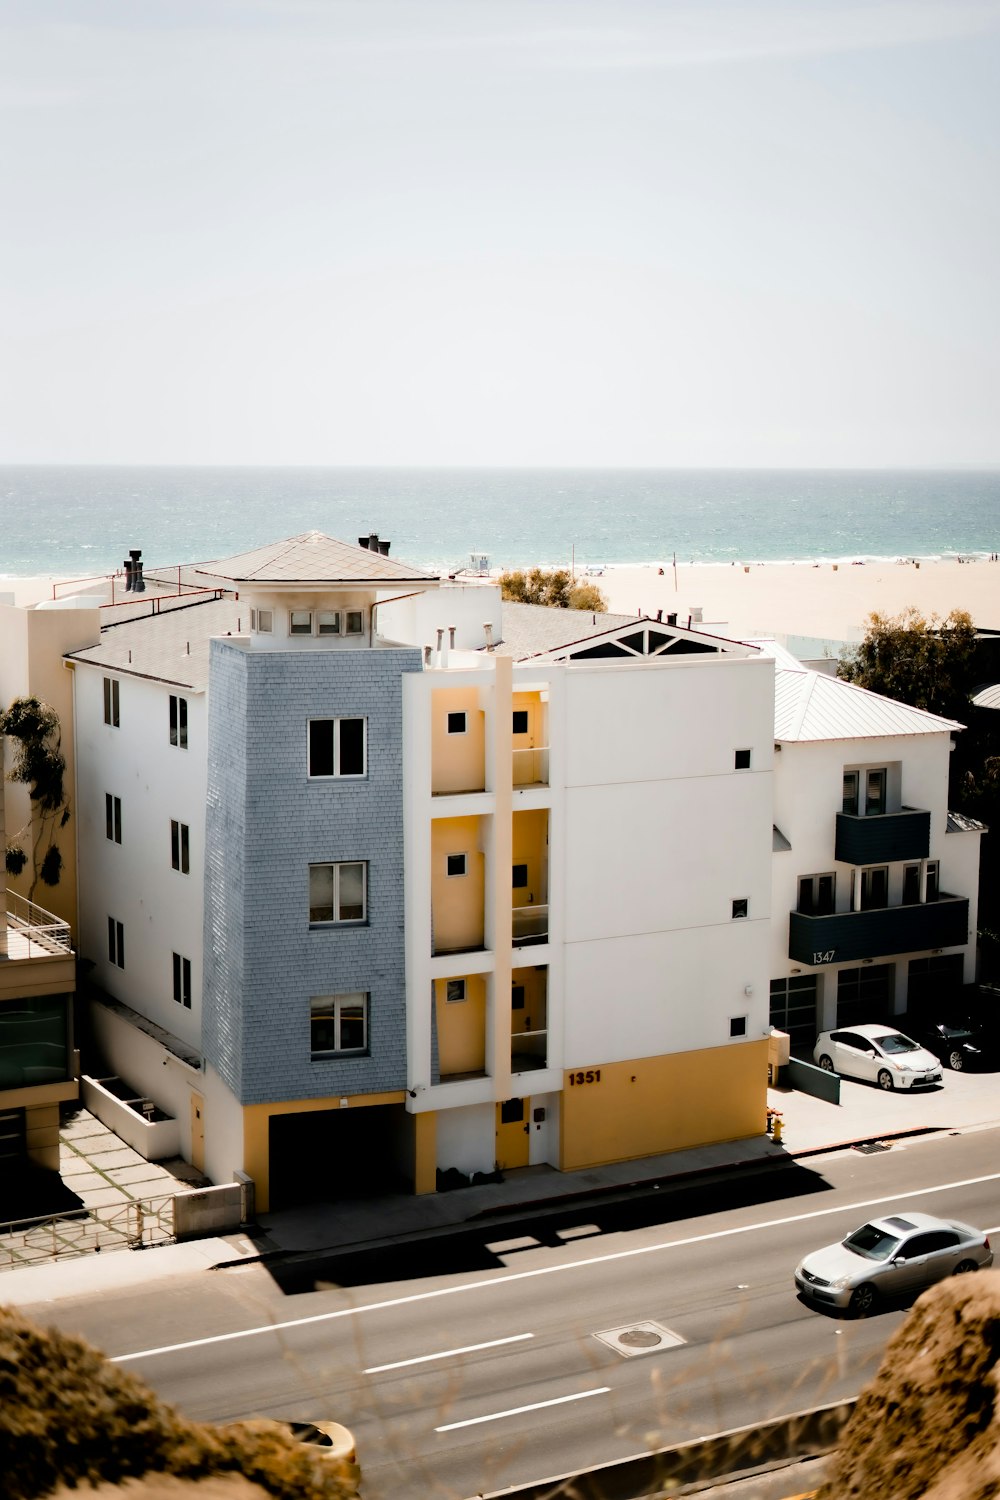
point(875, 882)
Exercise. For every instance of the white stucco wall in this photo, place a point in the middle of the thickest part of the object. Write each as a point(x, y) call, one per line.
point(160, 908)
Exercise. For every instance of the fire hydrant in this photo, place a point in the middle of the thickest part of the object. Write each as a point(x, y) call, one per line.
point(776, 1126)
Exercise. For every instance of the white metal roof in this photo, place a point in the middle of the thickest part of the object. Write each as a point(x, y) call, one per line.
point(811, 706)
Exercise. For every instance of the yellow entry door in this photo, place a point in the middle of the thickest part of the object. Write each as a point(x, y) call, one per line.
point(513, 1139)
point(197, 1132)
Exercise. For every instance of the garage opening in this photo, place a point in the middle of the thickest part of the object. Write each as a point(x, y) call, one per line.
point(320, 1156)
point(864, 996)
point(934, 981)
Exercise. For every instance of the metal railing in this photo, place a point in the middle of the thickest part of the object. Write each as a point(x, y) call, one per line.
point(530, 924)
point(121, 1226)
point(35, 927)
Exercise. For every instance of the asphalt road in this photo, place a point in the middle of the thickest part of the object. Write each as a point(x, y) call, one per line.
point(466, 1363)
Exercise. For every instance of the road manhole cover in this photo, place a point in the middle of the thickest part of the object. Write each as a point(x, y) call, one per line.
point(645, 1337)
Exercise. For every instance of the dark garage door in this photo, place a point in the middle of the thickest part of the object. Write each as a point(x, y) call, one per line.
point(326, 1154)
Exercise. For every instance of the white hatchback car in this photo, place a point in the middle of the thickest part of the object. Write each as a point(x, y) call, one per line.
point(878, 1054)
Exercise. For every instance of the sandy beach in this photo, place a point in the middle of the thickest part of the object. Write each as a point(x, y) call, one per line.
point(824, 601)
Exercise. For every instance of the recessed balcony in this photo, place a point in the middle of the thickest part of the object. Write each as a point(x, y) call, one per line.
point(883, 838)
point(530, 925)
point(850, 936)
point(531, 767)
point(33, 932)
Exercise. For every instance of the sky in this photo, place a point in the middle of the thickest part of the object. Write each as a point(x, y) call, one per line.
point(678, 233)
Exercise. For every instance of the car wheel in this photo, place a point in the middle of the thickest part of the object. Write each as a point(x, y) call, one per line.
point(964, 1267)
point(863, 1299)
point(885, 1079)
point(956, 1061)
point(826, 1063)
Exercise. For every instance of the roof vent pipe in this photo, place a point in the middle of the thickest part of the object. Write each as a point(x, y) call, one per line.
point(138, 582)
point(427, 655)
point(128, 574)
point(373, 542)
point(488, 633)
point(383, 547)
point(440, 645)
point(451, 637)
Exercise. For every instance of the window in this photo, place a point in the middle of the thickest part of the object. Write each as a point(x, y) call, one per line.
point(455, 991)
point(519, 877)
point(512, 1111)
point(337, 747)
point(338, 1024)
point(875, 793)
point(111, 702)
point(116, 943)
point(520, 725)
point(817, 895)
point(933, 870)
point(456, 723)
point(737, 1025)
point(113, 816)
point(875, 888)
point(178, 721)
point(300, 622)
point(741, 760)
point(741, 907)
point(911, 885)
point(182, 981)
point(338, 893)
point(355, 622)
point(851, 793)
point(180, 854)
point(265, 621)
point(457, 864)
point(517, 997)
point(328, 621)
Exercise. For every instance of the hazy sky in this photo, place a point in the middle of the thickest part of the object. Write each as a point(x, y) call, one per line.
point(649, 232)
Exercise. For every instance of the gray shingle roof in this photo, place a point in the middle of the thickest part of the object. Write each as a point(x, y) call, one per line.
point(313, 558)
point(171, 646)
point(532, 629)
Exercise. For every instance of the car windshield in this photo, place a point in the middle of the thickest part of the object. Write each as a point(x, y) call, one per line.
point(897, 1042)
point(873, 1243)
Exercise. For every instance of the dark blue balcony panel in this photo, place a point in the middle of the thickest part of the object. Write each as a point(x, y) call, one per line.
point(880, 840)
point(848, 936)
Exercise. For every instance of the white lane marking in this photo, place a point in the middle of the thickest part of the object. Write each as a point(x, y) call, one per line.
point(515, 1411)
point(572, 1265)
point(423, 1359)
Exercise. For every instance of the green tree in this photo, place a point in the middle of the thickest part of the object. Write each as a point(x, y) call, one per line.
point(40, 764)
point(554, 587)
point(924, 661)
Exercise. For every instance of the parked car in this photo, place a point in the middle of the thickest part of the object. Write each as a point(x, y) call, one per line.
point(959, 1043)
point(897, 1256)
point(878, 1054)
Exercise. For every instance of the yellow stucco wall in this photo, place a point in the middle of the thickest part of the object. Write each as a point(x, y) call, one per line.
point(657, 1104)
point(530, 847)
point(457, 900)
point(458, 760)
point(461, 1027)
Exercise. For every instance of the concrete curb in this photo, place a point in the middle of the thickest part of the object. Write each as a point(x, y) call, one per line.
point(725, 1455)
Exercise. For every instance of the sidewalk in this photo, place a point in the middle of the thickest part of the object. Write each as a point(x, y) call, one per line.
point(965, 1102)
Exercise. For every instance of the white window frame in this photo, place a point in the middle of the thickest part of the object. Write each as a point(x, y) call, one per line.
point(740, 916)
point(182, 980)
point(329, 622)
point(339, 1003)
point(349, 616)
point(337, 774)
point(116, 943)
point(113, 817)
point(112, 702)
point(334, 920)
point(297, 630)
point(457, 713)
point(456, 991)
point(456, 874)
point(265, 621)
point(178, 721)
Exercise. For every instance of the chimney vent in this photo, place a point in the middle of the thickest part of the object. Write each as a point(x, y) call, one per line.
point(427, 655)
point(451, 637)
point(128, 574)
point(488, 633)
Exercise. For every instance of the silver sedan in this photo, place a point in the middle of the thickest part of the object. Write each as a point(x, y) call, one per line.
point(892, 1257)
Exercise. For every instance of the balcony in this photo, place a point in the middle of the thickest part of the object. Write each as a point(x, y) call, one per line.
point(33, 932)
point(531, 767)
point(849, 936)
point(530, 925)
point(881, 839)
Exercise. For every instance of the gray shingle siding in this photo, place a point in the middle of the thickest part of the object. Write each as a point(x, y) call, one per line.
point(267, 822)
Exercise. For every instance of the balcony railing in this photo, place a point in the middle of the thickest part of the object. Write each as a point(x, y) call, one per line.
point(531, 767)
point(883, 838)
point(33, 932)
point(530, 925)
point(528, 1051)
point(844, 937)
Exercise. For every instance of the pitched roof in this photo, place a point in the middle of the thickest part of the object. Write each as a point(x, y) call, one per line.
point(170, 646)
point(811, 706)
point(531, 629)
point(961, 823)
point(313, 558)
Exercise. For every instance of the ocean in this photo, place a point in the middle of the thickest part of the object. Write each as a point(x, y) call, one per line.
point(83, 521)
